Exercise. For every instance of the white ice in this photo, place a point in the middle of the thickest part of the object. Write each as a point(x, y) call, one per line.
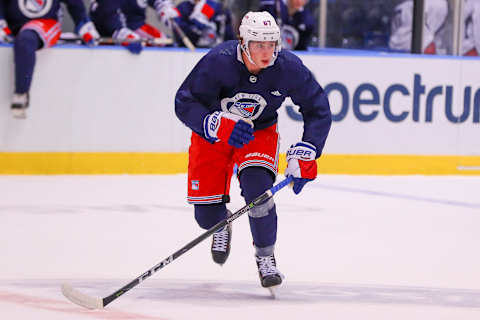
point(351, 247)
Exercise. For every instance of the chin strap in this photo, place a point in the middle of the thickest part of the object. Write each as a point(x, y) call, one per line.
point(243, 47)
point(247, 53)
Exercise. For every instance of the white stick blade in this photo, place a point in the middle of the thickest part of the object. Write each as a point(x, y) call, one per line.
point(188, 43)
point(162, 41)
point(81, 299)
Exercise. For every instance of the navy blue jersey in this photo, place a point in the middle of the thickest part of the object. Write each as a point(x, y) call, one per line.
point(19, 12)
point(106, 15)
point(134, 12)
point(221, 81)
point(297, 30)
point(219, 15)
point(112, 15)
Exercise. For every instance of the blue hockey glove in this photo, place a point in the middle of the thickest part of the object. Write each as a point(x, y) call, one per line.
point(225, 126)
point(208, 36)
point(135, 47)
point(301, 164)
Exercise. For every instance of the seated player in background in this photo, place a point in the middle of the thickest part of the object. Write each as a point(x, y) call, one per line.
point(435, 15)
point(205, 22)
point(230, 101)
point(238, 10)
point(126, 20)
point(471, 17)
point(362, 24)
point(295, 22)
point(31, 26)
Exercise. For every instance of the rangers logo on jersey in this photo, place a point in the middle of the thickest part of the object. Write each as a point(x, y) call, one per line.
point(290, 37)
point(195, 184)
point(34, 8)
point(247, 105)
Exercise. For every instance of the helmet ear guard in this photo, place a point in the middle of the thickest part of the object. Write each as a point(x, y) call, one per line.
point(259, 26)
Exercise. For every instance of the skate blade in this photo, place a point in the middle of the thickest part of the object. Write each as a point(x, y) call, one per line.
point(19, 113)
point(274, 291)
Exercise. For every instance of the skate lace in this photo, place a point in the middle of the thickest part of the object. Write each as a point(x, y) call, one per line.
point(220, 240)
point(267, 265)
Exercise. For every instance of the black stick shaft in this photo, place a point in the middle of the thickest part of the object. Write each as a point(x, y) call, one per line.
point(106, 40)
point(260, 199)
point(279, 13)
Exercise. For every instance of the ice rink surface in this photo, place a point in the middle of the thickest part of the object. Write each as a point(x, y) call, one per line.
point(351, 247)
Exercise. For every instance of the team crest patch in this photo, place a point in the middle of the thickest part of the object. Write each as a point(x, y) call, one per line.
point(34, 8)
point(247, 105)
point(246, 108)
point(195, 184)
point(290, 37)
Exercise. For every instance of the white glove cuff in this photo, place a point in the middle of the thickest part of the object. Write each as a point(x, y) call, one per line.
point(162, 4)
point(165, 9)
point(302, 151)
point(197, 13)
point(211, 123)
point(88, 27)
point(124, 33)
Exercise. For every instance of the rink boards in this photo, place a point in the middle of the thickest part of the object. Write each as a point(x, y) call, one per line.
point(104, 110)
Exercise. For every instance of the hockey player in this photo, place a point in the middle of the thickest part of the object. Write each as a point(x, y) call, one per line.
point(435, 15)
point(125, 20)
point(205, 22)
point(471, 40)
point(296, 23)
point(35, 24)
point(230, 101)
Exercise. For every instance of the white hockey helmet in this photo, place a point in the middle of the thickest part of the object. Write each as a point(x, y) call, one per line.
point(259, 26)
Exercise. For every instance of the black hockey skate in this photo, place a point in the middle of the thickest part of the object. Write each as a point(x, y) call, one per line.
point(221, 243)
point(19, 104)
point(269, 275)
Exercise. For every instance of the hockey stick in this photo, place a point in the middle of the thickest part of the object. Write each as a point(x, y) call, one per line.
point(153, 42)
point(278, 9)
point(90, 302)
point(182, 35)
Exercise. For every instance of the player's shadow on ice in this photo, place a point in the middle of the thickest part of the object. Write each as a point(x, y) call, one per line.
point(244, 293)
point(248, 293)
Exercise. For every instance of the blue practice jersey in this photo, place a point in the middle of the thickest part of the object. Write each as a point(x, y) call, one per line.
point(297, 30)
point(19, 12)
point(221, 81)
point(112, 15)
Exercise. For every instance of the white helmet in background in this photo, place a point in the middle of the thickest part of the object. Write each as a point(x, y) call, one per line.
point(259, 26)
